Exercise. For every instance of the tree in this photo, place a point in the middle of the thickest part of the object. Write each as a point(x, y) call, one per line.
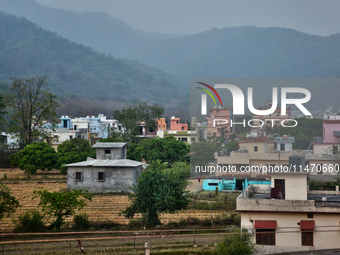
point(157, 191)
point(167, 150)
point(236, 244)
point(61, 205)
point(304, 132)
point(132, 117)
point(33, 104)
point(183, 169)
point(201, 153)
point(232, 146)
point(2, 111)
point(72, 151)
point(8, 203)
point(35, 156)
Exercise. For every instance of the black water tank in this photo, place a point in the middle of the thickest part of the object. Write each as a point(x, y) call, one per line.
point(295, 162)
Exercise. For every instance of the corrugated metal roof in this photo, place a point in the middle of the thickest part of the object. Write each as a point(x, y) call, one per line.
point(107, 163)
point(108, 145)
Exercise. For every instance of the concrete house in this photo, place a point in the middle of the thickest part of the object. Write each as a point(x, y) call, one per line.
point(286, 216)
point(109, 172)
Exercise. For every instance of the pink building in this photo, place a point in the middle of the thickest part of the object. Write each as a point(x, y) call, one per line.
point(175, 125)
point(331, 131)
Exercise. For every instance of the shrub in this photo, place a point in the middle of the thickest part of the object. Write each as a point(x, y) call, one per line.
point(81, 221)
point(236, 244)
point(31, 221)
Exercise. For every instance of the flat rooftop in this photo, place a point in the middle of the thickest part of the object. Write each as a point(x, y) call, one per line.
point(316, 197)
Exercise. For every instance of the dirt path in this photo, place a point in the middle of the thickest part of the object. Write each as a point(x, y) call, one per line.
point(195, 186)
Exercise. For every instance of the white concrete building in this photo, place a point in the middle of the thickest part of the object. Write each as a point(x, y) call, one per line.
point(285, 216)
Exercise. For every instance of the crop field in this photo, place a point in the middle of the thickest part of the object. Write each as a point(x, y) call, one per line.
point(102, 208)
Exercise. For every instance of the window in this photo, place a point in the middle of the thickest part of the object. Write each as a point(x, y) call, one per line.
point(310, 215)
point(319, 168)
point(268, 122)
point(184, 139)
point(107, 151)
point(219, 130)
point(101, 176)
point(212, 184)
point(71, 137)
point(255, 148)
point(79, 176)
point(307, 238)
point(277, 122)
point(282, 147)
point(277, 113)
point(75, 127)
point(193, 139)
point(265, 236)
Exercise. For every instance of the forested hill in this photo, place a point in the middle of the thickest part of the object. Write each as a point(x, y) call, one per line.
point(95, 29)
point(26, 49)
point(228, 52)
point(247, 52)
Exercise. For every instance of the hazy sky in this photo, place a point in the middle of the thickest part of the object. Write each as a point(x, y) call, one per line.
point(193, 16)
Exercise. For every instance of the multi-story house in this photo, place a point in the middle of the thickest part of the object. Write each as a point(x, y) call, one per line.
point(220, 119)
point(325, 159)
point(259, 154)
point(286, 216)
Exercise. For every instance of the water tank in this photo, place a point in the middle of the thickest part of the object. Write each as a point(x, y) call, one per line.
point(294, 163)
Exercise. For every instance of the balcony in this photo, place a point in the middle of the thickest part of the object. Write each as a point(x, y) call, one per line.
point(256, 198)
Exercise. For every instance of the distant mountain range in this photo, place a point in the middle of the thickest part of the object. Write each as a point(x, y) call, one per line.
point(229, 52)
point(26, 49)
point(95, 29)
point(244, 52)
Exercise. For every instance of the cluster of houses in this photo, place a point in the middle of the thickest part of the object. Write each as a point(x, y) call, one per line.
point(277, 207)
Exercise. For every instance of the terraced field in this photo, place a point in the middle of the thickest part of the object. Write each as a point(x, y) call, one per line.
point(102, 208)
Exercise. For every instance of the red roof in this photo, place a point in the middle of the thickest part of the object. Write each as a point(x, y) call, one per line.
point(331, 121)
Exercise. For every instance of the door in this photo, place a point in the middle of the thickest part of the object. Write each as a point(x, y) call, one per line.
point(280, 185)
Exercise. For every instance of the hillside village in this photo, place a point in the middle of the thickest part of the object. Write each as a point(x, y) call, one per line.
point(281, 189)
point(109, 144)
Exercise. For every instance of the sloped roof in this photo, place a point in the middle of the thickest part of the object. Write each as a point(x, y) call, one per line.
point(107, 163)
point(108, 145)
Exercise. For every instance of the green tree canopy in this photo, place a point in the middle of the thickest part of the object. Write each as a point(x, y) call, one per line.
point(304, 132)
point(72, 151)
point(8, 203)
point(61, 205)
point(35, 156)
point(167, 150)
point(158, 191)
point(33, 104)
point(201, 153)
point(232, 146)
point(131, 118)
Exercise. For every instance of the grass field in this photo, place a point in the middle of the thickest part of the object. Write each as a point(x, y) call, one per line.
point(102, 208)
